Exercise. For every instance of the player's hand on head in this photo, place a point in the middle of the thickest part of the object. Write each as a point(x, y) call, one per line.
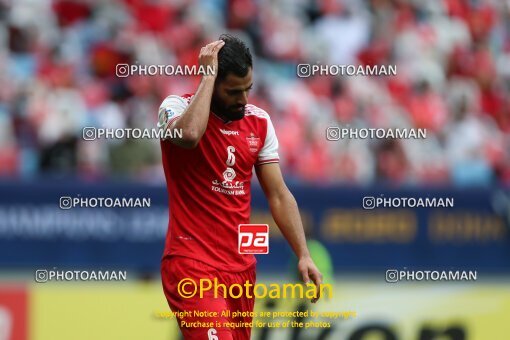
point(310, 274)
point(209, 55)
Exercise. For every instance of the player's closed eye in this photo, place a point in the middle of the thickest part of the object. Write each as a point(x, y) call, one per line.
point(234, 92)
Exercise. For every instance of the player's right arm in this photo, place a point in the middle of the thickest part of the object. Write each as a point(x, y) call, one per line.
point(192, 119)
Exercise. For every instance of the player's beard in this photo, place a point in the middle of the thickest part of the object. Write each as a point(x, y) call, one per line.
point(230, 113)
point(235, 113)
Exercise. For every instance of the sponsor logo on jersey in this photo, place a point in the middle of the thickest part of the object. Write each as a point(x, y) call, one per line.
point(228, 187)
point(253, 239)
point(229, 132)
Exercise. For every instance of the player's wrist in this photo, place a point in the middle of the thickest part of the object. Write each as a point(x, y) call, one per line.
point(209, 79)
point(305, 255)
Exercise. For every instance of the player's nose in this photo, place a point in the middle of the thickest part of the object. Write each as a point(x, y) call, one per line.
point(243, 100)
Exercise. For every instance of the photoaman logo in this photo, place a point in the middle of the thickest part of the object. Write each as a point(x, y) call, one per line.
point(253, 239)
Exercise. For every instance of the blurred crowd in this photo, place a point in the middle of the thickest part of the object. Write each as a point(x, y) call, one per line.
point(58, 59)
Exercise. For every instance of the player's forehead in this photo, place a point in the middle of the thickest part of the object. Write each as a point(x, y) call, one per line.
point(233, 82)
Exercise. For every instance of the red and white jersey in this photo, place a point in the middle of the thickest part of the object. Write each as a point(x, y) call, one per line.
point(209, 186)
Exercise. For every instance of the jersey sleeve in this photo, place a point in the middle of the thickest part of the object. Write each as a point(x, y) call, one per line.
point(170, 110)
point(269, 152)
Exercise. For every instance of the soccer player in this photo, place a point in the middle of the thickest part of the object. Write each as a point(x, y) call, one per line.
point(208, 173)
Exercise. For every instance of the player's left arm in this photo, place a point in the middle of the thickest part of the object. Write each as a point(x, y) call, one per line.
point(285, 212)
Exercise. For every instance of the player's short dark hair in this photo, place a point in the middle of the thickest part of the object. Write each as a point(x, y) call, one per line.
point(234, 57)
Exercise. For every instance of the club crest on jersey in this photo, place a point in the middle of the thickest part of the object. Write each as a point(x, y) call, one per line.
point(253, 142)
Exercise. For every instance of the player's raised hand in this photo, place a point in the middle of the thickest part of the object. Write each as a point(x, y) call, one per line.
point(209, 55)
point(310, 273)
